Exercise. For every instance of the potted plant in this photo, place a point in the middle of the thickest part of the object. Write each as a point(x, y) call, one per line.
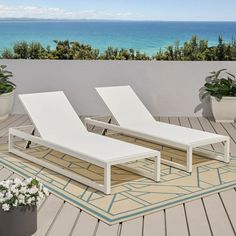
point(221, 87)
point(6, 92)
point(18, 202)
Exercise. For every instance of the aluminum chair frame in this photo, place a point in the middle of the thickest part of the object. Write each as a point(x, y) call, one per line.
point(189, 147)
point(25, 133)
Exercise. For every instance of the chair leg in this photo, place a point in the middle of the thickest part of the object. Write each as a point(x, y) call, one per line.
point(226, 151)
point(10, 141)
point(107, 179)
point(157, 168)
point(189, 159)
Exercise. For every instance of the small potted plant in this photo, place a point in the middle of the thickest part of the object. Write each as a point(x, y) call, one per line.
point(221, 87)
point(18, 202)
point(6, 92)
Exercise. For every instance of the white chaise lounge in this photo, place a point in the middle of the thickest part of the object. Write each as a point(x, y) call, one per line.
point(61, 129)
point(135, 120)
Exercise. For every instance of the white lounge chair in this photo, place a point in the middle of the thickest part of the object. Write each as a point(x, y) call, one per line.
point(61, 129)
point(135, 120)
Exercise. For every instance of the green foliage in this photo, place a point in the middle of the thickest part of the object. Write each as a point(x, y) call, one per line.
point(6, 86)
point(7, 54)
point(21, 50)
point(220, 86)
point(193, 50)
point(198, 50)
point(36, 51)
point(83, 52)
point(123, 54)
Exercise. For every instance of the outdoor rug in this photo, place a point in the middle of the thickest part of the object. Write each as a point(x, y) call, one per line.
point(132, 195)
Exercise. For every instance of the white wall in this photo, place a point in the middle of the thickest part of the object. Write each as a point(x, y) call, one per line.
point(166, 88)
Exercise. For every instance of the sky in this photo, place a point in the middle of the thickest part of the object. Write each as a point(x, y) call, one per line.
point(163, 10)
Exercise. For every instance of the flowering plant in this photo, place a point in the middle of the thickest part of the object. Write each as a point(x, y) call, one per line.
point(15, 193)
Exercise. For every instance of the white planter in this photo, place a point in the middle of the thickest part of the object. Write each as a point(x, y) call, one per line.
point(224, 110)
point(6, 104)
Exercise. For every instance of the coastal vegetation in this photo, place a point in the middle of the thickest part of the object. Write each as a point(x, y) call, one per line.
point(194, 49)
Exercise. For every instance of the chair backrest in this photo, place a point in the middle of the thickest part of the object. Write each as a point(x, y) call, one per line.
point(125, 106)
point(52, 115)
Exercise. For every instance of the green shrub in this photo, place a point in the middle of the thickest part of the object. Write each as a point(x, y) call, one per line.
point(6, 86)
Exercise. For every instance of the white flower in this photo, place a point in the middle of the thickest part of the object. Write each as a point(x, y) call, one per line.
point(6, 207)
point(17, 181)
point(27, 181)
point(32, 190)
point(2, 200)
point(23, 190)
point(28, 192)
point(30, 200)
point(15, 190)
point(1, 195)
point(8, 196)
point(6, 183)
point(21, 199)
point(41, 186)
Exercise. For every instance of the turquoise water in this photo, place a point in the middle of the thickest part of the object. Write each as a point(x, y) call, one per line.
point(147, 37)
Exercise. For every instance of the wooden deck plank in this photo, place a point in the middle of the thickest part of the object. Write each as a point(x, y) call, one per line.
point(195, 124)
point(174, 120)
point(184, 121)
point(219, 222)
point(221, 130)
point(164, 119)
point(132, 227)
point(154, 224)
point(27, 121)
point(176, 223)
point(107, 230)
point(86, 225)
point(220, 211)
point(234, 125)
point(63, 224)
point(15, 123)
point(5, 174)
point(229, 200)
point(231, 130)
point(47, 213)
point(196, 217)
point(3, 139)
point(208, 127)
point(4, 124)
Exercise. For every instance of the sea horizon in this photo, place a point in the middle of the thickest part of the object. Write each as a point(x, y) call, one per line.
point(106, 20)
point(145, 36)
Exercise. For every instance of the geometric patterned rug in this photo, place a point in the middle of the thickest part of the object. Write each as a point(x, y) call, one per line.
point(132, 195)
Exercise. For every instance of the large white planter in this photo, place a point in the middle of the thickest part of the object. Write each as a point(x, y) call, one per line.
point(224, 110)
point(6, 104)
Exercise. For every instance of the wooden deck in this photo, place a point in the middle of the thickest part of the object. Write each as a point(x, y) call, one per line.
point(212, 215)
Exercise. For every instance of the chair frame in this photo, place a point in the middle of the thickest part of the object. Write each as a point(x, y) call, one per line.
point(23, 132)
point(190, 149)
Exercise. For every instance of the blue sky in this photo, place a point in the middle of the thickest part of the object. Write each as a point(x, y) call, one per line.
point(185, 10)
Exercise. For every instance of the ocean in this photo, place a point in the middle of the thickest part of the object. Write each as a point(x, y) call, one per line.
point(147, 37)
